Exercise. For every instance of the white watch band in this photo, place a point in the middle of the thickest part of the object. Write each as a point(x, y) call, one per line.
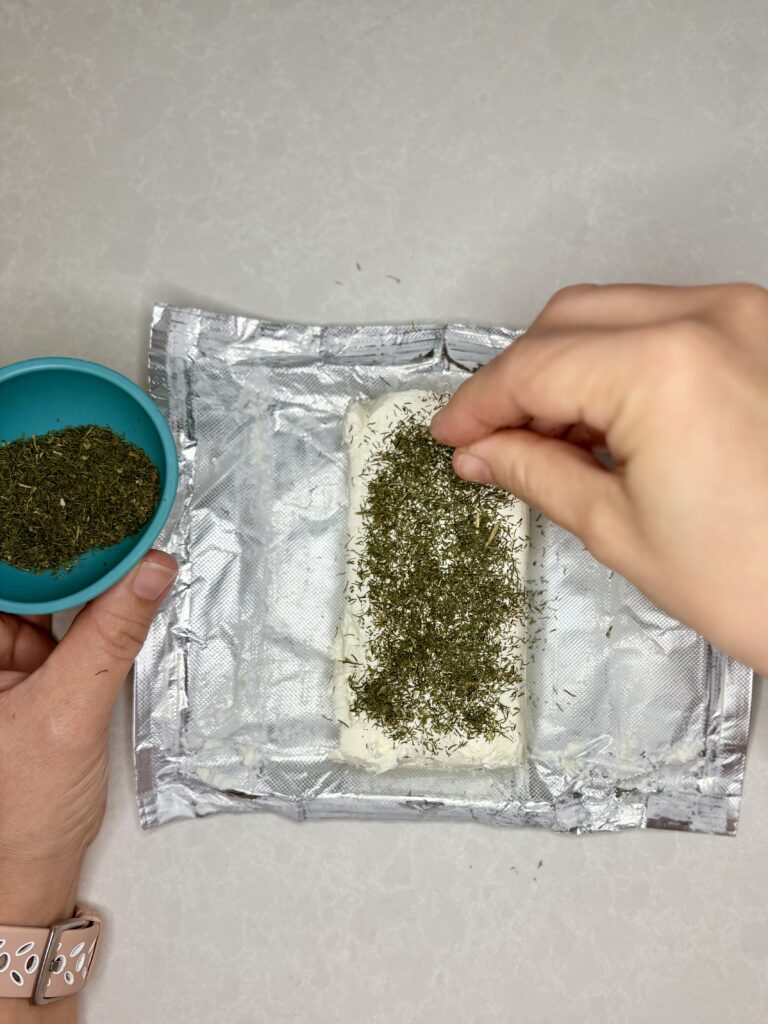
point(44, 964)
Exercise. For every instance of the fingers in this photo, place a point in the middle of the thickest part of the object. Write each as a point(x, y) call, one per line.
point(91, 662)
point(577, 355)
point(42, 622)
point(585, 437)
point(564, 482)
point(623, 305)
point(561, 379)
point(10, 678)
point(23, 646)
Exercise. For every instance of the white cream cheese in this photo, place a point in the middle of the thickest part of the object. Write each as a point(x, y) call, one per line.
point(361, 741)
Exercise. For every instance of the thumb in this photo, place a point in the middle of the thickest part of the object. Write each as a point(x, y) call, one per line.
point(561, 480)
point(90, 663)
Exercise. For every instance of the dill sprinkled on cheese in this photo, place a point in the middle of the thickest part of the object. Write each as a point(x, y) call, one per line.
point(438, 591)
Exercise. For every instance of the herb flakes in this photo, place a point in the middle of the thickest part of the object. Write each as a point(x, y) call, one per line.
point(440, 596)
point(66, 492)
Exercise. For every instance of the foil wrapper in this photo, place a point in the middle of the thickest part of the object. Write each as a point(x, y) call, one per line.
point(633, 719)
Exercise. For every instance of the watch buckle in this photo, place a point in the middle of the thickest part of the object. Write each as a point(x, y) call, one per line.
point(39, 997)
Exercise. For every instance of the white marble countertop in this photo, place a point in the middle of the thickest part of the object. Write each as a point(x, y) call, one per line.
point(246, 155)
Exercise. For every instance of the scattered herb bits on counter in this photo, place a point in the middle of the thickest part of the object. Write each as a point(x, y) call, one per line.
point(69, 491)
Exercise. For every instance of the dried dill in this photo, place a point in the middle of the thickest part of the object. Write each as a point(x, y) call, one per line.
point(440, 593)
point(66, 492)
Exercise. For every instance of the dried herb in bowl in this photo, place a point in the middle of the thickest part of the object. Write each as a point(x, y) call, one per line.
point(70, 491)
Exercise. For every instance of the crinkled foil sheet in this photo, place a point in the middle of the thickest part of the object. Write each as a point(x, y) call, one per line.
point(633, 720)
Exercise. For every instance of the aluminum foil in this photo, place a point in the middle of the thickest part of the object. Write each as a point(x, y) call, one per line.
point(633, 719)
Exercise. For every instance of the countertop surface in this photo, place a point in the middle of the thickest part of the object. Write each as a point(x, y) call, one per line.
point(471, 157)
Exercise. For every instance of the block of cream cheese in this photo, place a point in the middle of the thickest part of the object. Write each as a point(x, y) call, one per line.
point(362, 741)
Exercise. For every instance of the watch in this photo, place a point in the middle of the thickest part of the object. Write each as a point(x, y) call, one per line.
point(45, 964)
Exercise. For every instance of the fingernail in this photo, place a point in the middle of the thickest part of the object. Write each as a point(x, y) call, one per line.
point(434, 426)
point(152, 579)
point(469, 467)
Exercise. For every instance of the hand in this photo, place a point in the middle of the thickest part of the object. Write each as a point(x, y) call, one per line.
point(55, 706)
point(674, 382)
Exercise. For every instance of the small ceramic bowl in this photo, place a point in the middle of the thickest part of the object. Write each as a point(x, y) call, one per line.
point(40, 395)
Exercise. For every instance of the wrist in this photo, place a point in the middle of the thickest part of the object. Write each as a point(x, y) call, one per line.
point(38, 894)
point(16, 1011)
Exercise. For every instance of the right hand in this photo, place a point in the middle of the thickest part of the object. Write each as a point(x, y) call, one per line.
point(674, 382)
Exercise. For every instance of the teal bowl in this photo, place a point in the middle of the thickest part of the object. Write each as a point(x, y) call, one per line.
point(40, 395)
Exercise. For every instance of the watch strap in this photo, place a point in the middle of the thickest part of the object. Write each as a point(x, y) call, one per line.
point(42, 964)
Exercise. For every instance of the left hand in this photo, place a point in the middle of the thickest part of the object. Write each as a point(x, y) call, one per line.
point(55, 705)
